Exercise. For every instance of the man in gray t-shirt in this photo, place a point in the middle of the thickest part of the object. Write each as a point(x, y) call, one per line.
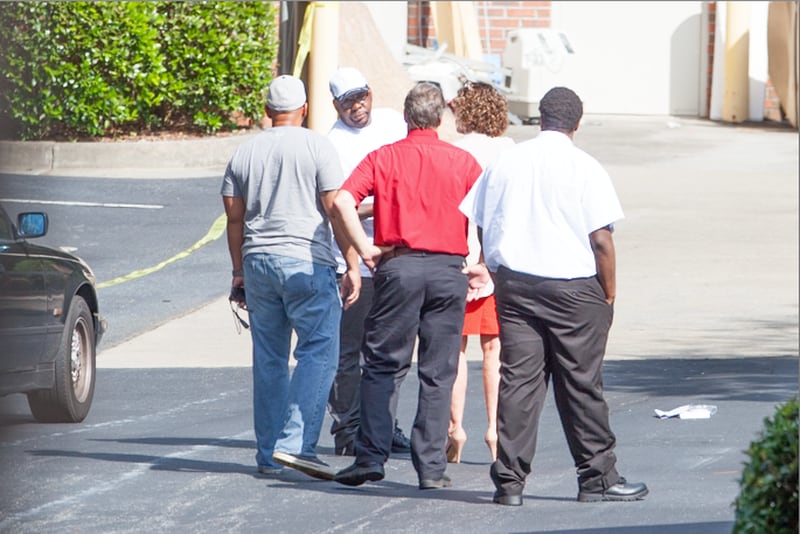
point(278, 190)
point(281, 175)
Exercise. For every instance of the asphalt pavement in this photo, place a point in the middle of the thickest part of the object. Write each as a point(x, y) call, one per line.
point(707, 313)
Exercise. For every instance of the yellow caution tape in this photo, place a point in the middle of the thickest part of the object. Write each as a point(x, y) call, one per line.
point(304, 41)
point(214, 233)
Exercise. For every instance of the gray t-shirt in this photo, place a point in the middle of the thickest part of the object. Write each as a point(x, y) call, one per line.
point(280, 174)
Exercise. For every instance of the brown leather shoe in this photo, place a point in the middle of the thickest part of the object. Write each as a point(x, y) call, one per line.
point(313, 467)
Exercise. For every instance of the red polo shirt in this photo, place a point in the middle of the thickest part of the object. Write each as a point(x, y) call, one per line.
point(418, 183)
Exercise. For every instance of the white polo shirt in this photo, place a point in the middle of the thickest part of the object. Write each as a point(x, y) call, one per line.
point(537, 205)
point(353, 144)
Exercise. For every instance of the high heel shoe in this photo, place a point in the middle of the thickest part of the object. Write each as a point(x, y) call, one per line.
point(455, 443)
point(491, 442)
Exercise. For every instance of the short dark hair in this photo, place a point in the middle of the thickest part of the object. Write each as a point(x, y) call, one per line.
point(424, 106)
point(560, 109)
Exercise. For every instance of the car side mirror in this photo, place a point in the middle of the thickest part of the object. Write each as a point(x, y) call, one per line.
point(31, 224)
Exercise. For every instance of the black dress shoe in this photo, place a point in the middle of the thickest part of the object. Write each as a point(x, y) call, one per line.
point(621, 491)
point(435, 483)
point(507, 499)
point(356, 474)
point(400, 442)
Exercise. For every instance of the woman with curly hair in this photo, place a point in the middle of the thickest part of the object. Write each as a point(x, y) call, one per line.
point(481, 114)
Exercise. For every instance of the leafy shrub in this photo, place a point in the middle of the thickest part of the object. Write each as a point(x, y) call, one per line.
point(768, 501)
point(78, 69)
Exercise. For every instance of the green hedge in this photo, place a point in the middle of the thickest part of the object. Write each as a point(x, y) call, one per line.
point(86, 69)
point(768, 501)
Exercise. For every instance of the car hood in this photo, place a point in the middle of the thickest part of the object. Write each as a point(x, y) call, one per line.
point(57, 253)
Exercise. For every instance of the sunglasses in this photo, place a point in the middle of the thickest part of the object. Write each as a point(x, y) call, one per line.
point(236, 297)
point(350, 100)
point(238, 322)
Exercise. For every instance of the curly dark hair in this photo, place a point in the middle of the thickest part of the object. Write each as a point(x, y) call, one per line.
point(560, 109)
point(480, 108)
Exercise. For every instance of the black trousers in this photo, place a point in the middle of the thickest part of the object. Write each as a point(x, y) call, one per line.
point(344, 401)
point(552, 329)
point(417, 295)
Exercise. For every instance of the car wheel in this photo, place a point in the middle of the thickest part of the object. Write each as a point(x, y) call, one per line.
point(70, 398)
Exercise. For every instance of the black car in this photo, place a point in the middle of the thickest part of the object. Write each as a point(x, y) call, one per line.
point(49, 322)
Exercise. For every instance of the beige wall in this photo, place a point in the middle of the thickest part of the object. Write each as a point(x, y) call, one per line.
point(391, 17)
point(633, 57)
point(642, 57)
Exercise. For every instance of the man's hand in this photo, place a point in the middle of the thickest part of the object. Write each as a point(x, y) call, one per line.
point(606, 261)
point(372, 256)
point(478, 276)
point(350, 288)
point(237, 292)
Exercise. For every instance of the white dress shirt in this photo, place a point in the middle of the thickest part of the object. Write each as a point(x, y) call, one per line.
point(537, 206)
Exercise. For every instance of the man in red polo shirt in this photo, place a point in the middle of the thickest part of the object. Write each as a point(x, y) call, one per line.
point(420, 289)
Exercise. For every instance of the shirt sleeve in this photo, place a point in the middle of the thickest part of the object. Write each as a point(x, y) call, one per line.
point(473, 172)
point(231, 186)
point(361, 182)
point(329, 167)
point(601, 207)
point(472, 205)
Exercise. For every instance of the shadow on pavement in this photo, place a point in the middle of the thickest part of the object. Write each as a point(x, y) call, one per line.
point(740, 379)
point(711, 527)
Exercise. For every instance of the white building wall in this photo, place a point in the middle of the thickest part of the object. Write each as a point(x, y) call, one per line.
point(391, 18)
point(640, 58)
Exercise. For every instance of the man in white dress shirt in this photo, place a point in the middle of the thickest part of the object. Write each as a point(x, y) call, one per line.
point(359, 130)
point(546, 210)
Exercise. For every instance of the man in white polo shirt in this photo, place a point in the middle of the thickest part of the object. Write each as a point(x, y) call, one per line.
point(359, 130)
point(546, 211)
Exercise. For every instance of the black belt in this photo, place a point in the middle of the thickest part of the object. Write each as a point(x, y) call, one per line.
point(402, 251)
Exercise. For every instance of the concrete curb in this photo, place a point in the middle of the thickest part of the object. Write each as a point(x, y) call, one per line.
point(19, 156)
point(49, 157)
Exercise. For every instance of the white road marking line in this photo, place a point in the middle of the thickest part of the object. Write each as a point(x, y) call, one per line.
point(85, 204)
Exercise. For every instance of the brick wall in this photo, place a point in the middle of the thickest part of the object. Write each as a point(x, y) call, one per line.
point(495, 20)
point(712, 25)
point(420, 23)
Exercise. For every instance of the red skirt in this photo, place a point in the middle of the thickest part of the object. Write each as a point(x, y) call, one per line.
point(481, 318)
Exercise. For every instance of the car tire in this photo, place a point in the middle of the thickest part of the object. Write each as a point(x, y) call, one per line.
point(70, 398)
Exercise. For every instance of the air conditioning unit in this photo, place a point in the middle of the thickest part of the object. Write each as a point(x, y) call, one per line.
point(535, 57)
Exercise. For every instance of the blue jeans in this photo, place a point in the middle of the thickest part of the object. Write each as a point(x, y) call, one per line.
point(284, 294)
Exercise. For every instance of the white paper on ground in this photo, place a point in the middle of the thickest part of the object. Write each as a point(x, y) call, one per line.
point(688, 411)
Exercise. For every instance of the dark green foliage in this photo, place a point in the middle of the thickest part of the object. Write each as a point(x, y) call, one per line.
point(768, 498)
point(84, 69)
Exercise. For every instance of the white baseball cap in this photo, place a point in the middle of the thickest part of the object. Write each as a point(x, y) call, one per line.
point(347, 81)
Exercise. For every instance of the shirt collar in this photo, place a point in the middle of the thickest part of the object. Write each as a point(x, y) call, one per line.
point(420, 134)
point(554, 134)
